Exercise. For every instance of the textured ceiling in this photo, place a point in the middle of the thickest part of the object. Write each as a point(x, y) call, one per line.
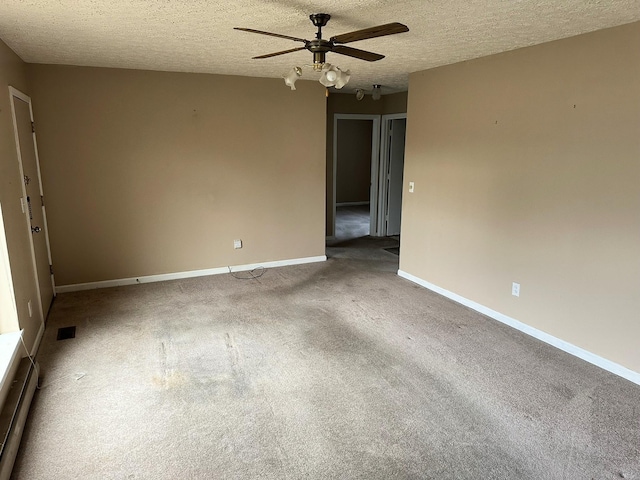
point(198, 35)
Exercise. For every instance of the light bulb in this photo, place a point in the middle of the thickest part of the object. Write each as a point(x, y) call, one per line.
point(377, 92)
point(332, 76)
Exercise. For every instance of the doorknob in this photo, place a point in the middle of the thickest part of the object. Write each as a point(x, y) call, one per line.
point(36, 229)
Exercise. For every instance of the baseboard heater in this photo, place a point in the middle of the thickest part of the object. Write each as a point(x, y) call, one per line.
point(14, 414)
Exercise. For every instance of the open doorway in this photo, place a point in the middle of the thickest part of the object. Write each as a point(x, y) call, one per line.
point(368, 166)
point(356, 142)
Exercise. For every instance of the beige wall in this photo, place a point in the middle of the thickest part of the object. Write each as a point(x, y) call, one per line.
point(13, 73)
point(394, 103)
point(353, 169)
point(527, 169)
point(347, 103)
point(150, 173)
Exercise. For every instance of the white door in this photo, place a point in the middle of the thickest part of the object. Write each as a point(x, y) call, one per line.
point(33, 200)
point(394, 177)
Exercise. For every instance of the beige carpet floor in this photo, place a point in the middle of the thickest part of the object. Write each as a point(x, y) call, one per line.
point(338, 369)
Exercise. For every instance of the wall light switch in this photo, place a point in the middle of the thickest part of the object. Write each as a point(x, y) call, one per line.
point(411, 187)
point(515, 289)
point(237, 244)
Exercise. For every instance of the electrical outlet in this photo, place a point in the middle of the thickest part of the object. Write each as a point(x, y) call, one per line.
point(30, 309)
point(411, 187)
point(515, 289)
point(237, 244)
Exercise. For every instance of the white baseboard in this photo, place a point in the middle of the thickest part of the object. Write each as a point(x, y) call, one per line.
point(529, 330)
point(352, 204)
point(190, 274)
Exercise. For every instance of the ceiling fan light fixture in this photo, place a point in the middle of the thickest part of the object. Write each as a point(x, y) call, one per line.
point(329, 75)
point(377, 92)
point(319, 47)
point(332, 76)
point(343, 79)
point(290, 78)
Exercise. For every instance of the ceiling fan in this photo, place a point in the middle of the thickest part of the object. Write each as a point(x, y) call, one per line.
point(319, 46)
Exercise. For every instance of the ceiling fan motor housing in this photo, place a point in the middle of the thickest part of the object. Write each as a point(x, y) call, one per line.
point(320, 19)
point(319, 48)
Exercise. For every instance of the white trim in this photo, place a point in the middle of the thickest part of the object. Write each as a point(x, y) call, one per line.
point(13, 94)
point(189, 274)
point(375, 155)
point(45, 223)
point(567, 347)
point(352, 204)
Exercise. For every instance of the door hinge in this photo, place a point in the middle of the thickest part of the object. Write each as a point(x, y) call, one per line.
point(33, 127)
point(51, 269)
point(42, 200)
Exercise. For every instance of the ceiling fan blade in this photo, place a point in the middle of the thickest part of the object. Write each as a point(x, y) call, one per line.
point(269, 55)
point(354, 52)
point(371, 32)
point(250, 30)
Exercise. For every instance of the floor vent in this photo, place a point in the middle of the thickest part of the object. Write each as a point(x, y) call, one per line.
point(66, 332)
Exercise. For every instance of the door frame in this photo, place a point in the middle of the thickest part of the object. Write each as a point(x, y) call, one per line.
point(13, 94)
point(375, 156)
point(383, 185)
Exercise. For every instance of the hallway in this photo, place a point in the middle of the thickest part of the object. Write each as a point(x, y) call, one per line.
point(352, 221)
